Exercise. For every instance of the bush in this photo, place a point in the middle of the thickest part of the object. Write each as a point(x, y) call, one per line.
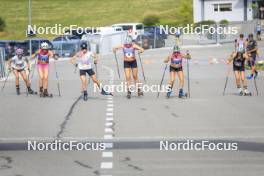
point(2, 24)
point(151, 20)
point(224, 22)
point(206, 22)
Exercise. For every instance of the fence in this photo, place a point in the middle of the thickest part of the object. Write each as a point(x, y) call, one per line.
point(2, 63)
point(104, 43)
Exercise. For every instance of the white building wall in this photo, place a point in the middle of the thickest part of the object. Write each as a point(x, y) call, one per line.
point(237, 13)
point(197, 11)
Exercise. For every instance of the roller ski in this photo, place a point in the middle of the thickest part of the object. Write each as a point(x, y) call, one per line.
point(31, 92)
point(17, 90)
point(240, 91)
point(182, 94)
point(140, 93)
point(247, 93)
point(128, 95)
point(85, 95)
point(45, 94)
point(103, 92)
point(169, 92)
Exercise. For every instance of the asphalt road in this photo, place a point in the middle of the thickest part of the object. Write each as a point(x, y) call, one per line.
point(134, 128)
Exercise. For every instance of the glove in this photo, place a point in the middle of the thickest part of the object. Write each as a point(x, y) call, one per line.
point(76, 65)
point(9, 69)
point(95, 62)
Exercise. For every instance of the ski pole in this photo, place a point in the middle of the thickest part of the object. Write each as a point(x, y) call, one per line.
point(57, 77)
point(117, 65)
point(162, 78)
point(256, 86)
point(188, 76)
point(5, 80)
point(142, 67)
point(226, 81)
point(75, 69)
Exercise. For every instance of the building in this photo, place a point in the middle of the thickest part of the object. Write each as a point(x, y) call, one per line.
point(231, 10)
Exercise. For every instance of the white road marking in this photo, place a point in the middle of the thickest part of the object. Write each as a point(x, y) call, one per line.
point(110, 105)
point(110, 109)
point(108, 124)
point(109, 119)
point(109, 114)
point(107, 154)
point(108, 136)
point(106, 165)
point(108, 130)
point(109, 145)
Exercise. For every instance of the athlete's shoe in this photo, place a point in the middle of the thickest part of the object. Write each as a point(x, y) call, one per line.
point(103, 92)
point(169, 93)
point(250, 76)
point(181, 93)
point(240, 91)
point(128, 94)
point(30, 91)
point(85, 95)
point(256, 75)
point(246, 92)
point(18, 91)
point(140, 93)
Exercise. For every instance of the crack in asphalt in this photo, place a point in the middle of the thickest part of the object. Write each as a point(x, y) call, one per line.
point(83, 165)
point(67, 118)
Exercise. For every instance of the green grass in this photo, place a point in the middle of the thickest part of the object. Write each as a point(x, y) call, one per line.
point(88, 13)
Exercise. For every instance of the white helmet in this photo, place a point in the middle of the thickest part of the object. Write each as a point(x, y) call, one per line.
point(44, 45)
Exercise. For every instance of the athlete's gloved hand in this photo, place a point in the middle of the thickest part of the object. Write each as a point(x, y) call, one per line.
point(9, 69)
point(95, 61)
point(75, 65)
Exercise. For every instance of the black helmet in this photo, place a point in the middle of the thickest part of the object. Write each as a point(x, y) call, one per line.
point(84, 46)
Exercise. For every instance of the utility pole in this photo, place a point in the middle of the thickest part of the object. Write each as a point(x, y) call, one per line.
point(29, 24)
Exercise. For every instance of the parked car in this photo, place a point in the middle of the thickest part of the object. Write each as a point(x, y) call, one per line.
point(80, 32)
point(66, 38)
point(153, 29)
point(65, 48)
point(147, 41)
point(133, 29)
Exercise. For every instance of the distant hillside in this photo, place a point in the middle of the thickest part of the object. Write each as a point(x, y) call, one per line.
point(89, 13)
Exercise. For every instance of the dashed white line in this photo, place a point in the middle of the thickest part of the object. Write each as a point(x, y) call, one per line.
point(108, 124)
point(109, 119)
point(106, 165)
point(108, 136)
point(107, 154)
point(109, 130)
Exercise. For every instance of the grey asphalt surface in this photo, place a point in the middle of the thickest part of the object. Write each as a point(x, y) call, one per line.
point(139, 124)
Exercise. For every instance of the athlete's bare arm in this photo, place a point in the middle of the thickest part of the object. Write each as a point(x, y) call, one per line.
point(117, 48)
point(141, 50)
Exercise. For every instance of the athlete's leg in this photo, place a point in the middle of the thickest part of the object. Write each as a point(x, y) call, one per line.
point(237, 76)
point(16, 73)
point(244, 82)
point(95, 80)
point(84, 82)
point(128, 76)
point(181, 79)
point(135, 75)
point(24, 76)
point(41, 77)
point(172, 78)
point(45, 77)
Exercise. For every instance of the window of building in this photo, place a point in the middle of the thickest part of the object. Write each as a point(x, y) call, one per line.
point(223, 7)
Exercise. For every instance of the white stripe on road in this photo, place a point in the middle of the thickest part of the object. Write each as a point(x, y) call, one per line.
point(108, 124)
point(107, 154)
point(108, 130)
point(108, 136)
point(109, 119)
point(109, 114)
point(106, 165)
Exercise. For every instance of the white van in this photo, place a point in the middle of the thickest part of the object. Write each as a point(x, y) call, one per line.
point(133, 29)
